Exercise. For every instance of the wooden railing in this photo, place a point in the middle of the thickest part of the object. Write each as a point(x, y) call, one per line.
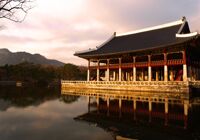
point(175, 62)
point(114, 66)
point(141, 64)
point(157, 63)
point(127, 65)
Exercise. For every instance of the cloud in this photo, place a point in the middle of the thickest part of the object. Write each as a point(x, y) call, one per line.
point(58, 29)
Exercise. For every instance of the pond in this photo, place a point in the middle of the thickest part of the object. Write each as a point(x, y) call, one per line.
point(49, 113)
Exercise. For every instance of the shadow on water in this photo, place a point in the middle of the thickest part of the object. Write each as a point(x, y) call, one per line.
point(12, 96)
point(43, 113)
point(37, 113)
point(136, 115)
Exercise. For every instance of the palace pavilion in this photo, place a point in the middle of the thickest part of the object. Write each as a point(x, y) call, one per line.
point(168, 52)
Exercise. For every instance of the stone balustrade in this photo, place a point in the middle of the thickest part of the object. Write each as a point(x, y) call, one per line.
point(195, 84)
point(152, 86)
point(127, 82)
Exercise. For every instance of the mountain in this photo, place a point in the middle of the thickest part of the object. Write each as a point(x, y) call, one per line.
point(10, 58)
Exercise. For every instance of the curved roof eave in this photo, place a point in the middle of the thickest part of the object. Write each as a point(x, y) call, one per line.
point(119, 53)
point(97, 51)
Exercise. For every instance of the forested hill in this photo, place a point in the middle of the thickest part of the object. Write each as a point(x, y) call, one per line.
point(10, 58)
point(36, 74)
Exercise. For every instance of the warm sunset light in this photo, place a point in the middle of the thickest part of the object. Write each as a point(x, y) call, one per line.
point(57, 29)
point(99, 69)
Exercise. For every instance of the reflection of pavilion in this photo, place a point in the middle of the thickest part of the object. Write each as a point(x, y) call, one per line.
point(140, 106)
point(124, 113)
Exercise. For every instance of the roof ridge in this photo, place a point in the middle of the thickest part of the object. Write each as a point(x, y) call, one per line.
point(97, 47)
point(154, 27)
point(109, 39)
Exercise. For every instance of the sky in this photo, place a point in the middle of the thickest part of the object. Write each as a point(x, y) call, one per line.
point(59, 28)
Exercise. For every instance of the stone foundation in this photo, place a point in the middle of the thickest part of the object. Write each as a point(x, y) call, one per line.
point(153, 86)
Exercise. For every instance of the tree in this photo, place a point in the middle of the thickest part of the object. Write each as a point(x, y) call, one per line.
point(70, 72)
point(15, 10)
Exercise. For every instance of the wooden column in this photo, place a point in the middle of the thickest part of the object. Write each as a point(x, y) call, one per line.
point(120, 69)
point(88, 71)
point(97, 70)
point(134, 69)
point(122, 76)
point(117, 76)
point(149, 68)
point(165, 67)
point(114, 76)
point(129, 76)
point(184, 66)
point(142, 77)
point(171, 75)
point(157, 75)
point(108, 71)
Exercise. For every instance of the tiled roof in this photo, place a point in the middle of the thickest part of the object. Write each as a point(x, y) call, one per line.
point(144, 39)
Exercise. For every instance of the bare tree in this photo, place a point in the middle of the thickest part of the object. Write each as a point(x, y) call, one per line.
point(15, 10)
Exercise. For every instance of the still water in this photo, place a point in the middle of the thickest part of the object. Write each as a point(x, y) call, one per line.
point(48, 113)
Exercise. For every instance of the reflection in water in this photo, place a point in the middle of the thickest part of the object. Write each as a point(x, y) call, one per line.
point(44, 113)
point(142, 115)
point(68, 99)
point(26, 96)
point(23, 97)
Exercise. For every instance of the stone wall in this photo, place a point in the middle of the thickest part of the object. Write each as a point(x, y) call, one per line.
point(153, 86)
